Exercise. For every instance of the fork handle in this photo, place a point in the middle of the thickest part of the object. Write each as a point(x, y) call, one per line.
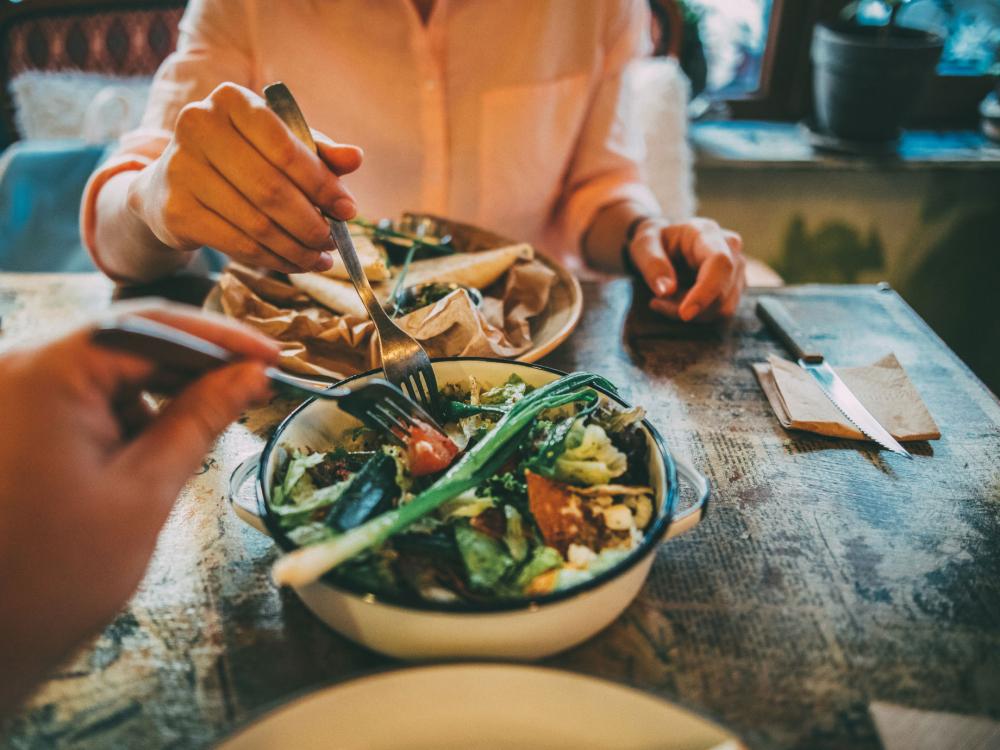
point(179, 351)
point(342, 239)
point(282, 103)
point(189, 356)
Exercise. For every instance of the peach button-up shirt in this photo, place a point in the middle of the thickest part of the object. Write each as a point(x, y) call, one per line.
point(509, 114)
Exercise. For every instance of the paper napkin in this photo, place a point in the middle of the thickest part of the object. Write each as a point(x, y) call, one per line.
point(883, 387)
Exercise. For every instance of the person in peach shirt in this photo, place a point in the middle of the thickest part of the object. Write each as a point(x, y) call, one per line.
point(509, 114)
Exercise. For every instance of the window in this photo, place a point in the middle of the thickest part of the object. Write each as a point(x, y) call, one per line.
point(734, 38)
point(755, 54)
point(973, 44)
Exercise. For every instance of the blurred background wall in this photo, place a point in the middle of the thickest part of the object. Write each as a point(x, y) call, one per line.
point(933, 234)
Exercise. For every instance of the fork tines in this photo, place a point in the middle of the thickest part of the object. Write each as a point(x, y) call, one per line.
point(383, 406)
point(422, 387)
point(390, 415)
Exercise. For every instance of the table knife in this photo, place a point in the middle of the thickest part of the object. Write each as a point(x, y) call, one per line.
point(779, 320)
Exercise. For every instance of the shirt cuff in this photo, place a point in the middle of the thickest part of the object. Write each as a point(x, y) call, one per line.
point(88, 206)
point(588, 200)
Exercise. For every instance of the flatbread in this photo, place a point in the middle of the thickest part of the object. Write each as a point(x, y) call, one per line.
point(372, 261)
point(477, 270)
point(339, 296)
point(268, 287)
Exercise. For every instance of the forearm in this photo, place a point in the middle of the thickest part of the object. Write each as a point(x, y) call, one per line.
point(603, 241)
point(125, 245)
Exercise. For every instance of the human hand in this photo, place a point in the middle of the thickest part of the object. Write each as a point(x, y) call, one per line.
point(88, 475)
point(696, 269)
point(233, 177)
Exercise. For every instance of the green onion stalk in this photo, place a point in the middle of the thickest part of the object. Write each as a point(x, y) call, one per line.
point(398, 288)
point(417, 242)
point(307, 564)
point(381, 233)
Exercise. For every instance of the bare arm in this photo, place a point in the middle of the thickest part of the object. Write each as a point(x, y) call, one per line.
point(603, 241)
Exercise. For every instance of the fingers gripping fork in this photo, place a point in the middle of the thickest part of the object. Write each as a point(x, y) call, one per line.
point(377, 403)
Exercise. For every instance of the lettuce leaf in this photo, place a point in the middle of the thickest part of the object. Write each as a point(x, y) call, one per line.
point(466, 505)
point(486, 560)
point(295, 473)
point(589, 456)
point(615, 419)
point(505, 395)
point(514, 536)
point(543, 559)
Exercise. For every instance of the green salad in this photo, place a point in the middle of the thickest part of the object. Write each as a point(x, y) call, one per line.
point(531, 490)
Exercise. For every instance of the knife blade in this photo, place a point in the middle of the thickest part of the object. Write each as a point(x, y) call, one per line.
point(777, 318)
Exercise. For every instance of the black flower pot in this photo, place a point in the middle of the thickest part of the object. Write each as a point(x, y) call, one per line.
point(867, 78)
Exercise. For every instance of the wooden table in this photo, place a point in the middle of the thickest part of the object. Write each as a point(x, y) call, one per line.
point(826, 576)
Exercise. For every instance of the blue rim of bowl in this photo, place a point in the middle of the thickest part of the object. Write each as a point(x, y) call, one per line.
point(646, 546)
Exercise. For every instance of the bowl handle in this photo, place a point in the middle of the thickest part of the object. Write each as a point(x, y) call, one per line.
point(690, 517)
point(245, 509)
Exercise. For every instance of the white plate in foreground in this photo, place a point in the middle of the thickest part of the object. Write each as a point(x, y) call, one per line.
point(482, 706)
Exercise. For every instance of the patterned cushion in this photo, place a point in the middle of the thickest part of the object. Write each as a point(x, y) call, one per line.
point(120, 43)
point(127, 42)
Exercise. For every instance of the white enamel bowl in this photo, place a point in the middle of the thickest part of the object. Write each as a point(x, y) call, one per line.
point(520, 629)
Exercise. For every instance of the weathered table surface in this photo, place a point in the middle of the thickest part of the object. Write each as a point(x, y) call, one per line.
point(826, 576)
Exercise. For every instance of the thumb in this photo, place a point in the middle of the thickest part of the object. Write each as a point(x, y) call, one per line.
point(169, 450)
point(341, 158)
point(650, 257)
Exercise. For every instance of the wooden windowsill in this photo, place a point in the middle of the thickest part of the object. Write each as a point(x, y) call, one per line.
point(751, 144)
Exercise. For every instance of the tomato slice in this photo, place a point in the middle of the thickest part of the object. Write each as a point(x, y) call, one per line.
point(429, 451)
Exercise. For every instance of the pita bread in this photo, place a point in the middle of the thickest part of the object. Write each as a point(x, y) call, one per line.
point(267, 287)
point(372, 261)
point(339, 296)
point(477, 270)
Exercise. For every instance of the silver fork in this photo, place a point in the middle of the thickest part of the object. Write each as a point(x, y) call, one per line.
point(377, 403)
point(404, 361)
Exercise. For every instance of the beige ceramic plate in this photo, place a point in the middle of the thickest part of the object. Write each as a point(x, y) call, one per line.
point(549, 329)
point(480, 706)
point(560, 316)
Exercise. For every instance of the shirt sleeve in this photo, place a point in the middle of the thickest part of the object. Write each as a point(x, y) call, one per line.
point(215, 45)
point(605, 168)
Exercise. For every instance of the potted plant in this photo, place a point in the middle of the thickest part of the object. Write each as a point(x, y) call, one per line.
point(867, 78)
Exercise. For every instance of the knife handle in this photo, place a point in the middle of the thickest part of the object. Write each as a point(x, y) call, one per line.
point(776, 317)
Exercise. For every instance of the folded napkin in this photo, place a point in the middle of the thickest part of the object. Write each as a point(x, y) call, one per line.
point(900, 727)
point(800, 404)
